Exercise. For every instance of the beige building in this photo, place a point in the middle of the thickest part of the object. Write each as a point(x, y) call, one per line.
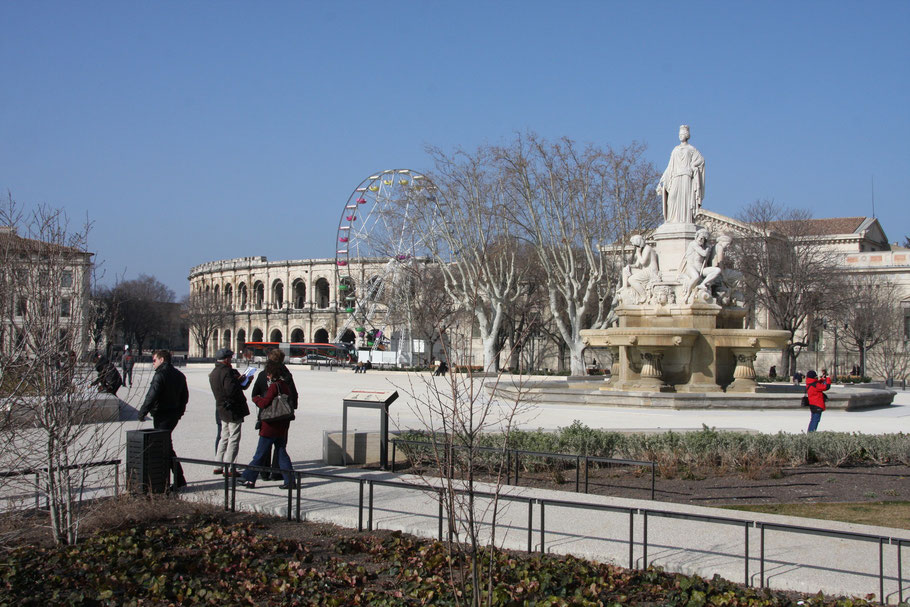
point(45, 296)
point(861, 247)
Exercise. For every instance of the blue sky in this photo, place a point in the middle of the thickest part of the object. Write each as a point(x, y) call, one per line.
point(196, 131)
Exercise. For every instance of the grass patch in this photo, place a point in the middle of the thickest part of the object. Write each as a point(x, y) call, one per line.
point(883, 514)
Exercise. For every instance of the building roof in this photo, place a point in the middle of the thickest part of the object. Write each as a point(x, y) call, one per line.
point(10, 240)
point(830, 226)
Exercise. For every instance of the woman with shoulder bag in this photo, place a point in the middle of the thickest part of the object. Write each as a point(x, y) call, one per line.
point(815, 392)
point(259, 388)
point(274, 430)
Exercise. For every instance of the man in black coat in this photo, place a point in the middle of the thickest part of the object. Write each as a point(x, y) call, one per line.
point(231, 407)
point(166, 402)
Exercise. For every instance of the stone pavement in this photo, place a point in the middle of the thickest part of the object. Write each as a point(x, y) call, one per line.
point(796, 561)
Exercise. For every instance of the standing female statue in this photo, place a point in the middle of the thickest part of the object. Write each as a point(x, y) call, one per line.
point(682, 186)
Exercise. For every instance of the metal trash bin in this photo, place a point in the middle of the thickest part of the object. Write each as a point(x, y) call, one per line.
point(148, 454)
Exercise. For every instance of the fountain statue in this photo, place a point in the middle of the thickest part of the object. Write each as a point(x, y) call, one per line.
point(679, 312)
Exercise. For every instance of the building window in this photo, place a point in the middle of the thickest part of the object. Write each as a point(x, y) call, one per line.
point(241, 293)
point(322, 293)
point(21, 306)
point(65, 307)
point(299, 294)
point(66, 279)
point(278, 294)
point(258, 295)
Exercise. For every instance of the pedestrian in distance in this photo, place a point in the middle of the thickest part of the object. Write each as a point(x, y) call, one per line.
point(815, 391)
point(260, 387)
point(126, 363)
point(166, 402)
point(272, 434)
point(230, 407)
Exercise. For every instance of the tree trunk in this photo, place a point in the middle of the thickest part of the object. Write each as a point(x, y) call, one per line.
point(577, 358)
point(490, 354)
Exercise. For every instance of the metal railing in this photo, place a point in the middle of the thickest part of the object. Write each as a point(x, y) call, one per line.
point(36, 472)
point(368, 484)
point(514, 455)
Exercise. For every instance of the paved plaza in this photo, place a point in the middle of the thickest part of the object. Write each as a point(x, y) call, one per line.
point(796, 561)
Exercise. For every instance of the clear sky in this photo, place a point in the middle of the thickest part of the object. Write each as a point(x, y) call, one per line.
point(196, 131)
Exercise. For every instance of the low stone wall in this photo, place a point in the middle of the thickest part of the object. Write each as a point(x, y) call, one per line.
point(96, 408)
point(770, 396)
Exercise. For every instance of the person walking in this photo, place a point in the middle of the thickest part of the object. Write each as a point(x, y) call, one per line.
point(260, 387)
point(272, 434)
point(230, 406)
point(815, 390)
point(127, 365)
point(166, 402)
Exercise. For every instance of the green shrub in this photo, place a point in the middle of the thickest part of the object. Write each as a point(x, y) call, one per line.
point(698, 453)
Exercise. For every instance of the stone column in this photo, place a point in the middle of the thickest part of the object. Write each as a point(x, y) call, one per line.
point(614, 366)
point(744, 373)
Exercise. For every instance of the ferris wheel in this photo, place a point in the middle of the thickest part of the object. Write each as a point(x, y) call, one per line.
point(378, 242)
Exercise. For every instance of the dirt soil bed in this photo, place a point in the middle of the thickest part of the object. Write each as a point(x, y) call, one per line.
point(802, 484)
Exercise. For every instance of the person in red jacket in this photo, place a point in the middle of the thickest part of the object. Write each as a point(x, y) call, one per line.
point(815, 390)
point(272, 433)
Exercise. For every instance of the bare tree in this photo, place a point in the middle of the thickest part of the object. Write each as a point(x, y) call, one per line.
point(432, 309)
point(205, 312)
point(140, 308)
point(104, 316)
point(788, 270)
point(569, 202)
point(867, 307)
point(48, 406)
point(890, 359)
point(473, 241)
point(455, 411)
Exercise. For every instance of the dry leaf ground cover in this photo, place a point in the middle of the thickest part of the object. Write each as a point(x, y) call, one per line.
point(200, 556)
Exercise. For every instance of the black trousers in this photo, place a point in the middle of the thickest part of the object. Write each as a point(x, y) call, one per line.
point(169, 423)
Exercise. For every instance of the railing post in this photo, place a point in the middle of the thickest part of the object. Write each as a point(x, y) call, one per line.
point(440, 514)
point(370, 519)
point(586, 474)
point(530, 525)
point(297, 488)
point(881, 571)
point(360, 508)
point(117, 479)
point(227, 491)
point(542, 527)
point(900, 576)
point(37, 491)
point(644, 541)
point(577, 471)
point(761, 553)
point(233, 471)
point(394, 448)
point(516, 466)
point(653, 466)
point(746, 527)
point(631, 538)
point(290, 503)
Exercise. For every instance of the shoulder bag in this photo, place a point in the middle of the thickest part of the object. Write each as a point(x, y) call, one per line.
point(279, 410)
